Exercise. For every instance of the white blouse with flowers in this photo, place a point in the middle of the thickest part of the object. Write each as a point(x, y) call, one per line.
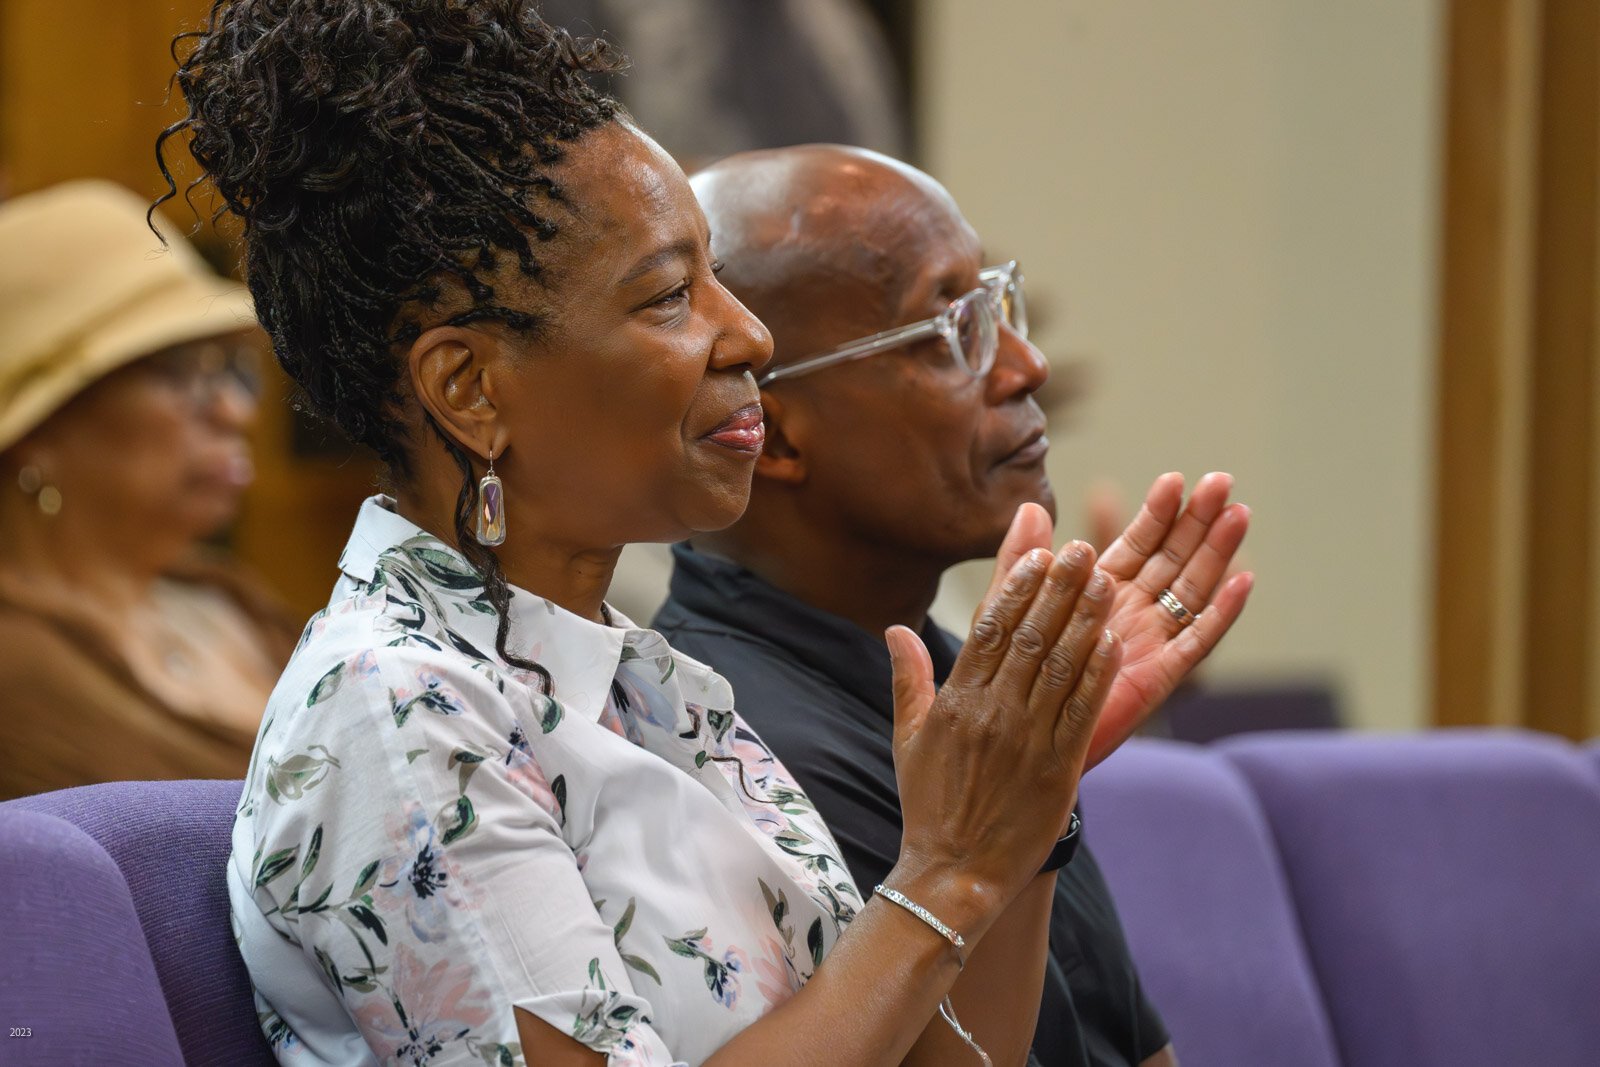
point(430, 837)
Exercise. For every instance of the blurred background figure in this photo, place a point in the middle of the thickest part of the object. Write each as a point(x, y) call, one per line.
point(710, 77)
point(128, 381)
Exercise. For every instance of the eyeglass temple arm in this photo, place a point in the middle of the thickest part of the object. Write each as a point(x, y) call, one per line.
point(867, 346)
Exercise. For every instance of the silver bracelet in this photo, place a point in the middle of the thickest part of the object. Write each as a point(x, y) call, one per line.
point(947, 1011)
point(926, 916)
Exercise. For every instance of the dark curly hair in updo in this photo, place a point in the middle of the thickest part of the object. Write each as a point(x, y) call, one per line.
point(386, 158)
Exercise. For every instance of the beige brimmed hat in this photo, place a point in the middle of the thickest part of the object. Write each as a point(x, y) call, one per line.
point(85, 288)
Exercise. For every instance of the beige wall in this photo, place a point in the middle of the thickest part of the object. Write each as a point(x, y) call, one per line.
point(1230, 209)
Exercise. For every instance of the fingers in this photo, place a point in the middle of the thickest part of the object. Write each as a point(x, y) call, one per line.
point(1201, 636)
point(1030, 528)
point(1148, 529)
point(913, 680)
point(1076, 724)
point(998, 616)
point(1062, 667)
point(1036, 636)
point(1210, 496)
point(1199, 578)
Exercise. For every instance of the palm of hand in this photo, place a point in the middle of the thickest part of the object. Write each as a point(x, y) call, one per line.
point(1154, 661)
point(1188, 553)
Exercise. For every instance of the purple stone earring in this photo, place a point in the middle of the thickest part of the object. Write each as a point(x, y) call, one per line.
point(491, 508)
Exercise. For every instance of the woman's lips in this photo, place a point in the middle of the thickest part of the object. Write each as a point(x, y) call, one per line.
point(241, 471)
point(743, 431)
point(231, 470)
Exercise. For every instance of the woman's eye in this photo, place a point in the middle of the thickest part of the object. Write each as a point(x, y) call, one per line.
point(674, 297)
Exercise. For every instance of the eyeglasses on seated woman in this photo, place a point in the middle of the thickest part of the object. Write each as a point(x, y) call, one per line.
point(488, 819)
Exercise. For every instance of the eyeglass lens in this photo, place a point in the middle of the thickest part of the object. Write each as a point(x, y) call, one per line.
point(969, 334)
point(1013, 306)
point(202, 368)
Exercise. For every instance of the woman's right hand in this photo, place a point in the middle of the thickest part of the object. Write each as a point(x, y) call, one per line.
point(988, 765)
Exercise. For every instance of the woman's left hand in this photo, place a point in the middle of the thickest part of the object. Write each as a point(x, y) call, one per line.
point(1167, 546)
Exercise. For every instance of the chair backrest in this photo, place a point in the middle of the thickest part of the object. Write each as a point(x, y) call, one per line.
point(1206, 713)
point(1189, 857)
point(1449, 889)
point(171, 841)
point(78, 984)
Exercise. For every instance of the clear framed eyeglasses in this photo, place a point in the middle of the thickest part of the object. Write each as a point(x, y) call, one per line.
point(969, 328)
point(200, 369)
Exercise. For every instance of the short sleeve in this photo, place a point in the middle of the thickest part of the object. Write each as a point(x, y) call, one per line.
point(415, 851)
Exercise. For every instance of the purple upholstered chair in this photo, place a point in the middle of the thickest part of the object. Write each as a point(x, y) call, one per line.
point(1191, 862)
point(171, 841)
point(1205, 713)
point(77, 985)
point(1449, 889)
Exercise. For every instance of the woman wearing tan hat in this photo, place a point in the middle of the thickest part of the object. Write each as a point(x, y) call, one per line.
point(127, 383)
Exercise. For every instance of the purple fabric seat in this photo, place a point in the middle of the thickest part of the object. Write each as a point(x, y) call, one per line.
point(1206, 713)
point(171, 841)
point(77, 976)
point(1197, 881)
point(1449, 889)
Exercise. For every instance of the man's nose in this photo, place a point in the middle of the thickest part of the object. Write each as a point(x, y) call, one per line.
point(1019, 368)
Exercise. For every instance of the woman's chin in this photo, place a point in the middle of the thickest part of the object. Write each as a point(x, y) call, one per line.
point(720, 510)
point(207, 517)
point(706, 512)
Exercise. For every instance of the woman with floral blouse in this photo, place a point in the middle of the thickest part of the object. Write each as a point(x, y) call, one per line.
point(488, 820)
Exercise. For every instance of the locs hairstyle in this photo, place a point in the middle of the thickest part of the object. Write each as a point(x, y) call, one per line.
point(385, 158)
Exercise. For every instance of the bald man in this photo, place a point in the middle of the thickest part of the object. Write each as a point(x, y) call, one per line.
point(890, 457)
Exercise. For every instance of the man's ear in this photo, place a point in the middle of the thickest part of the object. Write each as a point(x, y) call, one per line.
point(781, 458)
point(452, 374)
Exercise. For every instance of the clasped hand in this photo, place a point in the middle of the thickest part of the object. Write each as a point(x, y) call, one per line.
point(1064, 661)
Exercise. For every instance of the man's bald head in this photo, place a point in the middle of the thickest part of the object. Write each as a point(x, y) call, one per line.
point(889, 460)
point(822, 226)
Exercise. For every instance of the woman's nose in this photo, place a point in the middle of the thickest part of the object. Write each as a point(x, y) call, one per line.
point(744, 342)
point(231, 403)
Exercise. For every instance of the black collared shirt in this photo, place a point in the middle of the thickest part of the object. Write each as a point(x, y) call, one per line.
point(817, 689)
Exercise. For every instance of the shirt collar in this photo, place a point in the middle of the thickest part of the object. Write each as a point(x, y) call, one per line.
point(721, 593)
point(580, 654)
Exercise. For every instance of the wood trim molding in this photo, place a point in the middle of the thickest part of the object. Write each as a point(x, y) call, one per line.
point(1558, 635)
point(1487, 227)
point(1516, 621)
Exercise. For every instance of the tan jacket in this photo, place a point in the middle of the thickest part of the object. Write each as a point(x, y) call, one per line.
point(73, 712)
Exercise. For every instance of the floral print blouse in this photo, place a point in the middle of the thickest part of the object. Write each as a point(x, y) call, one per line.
point(430, 837)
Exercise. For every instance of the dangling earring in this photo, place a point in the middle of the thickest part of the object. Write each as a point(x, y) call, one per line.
point(491, 508)
point(31, 481)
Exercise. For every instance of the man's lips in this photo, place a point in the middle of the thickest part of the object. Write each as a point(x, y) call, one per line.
point(1033, 448)
point(743, 431)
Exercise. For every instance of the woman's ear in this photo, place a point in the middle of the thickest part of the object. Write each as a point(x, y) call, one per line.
point(452, 374)
point(781, 458)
